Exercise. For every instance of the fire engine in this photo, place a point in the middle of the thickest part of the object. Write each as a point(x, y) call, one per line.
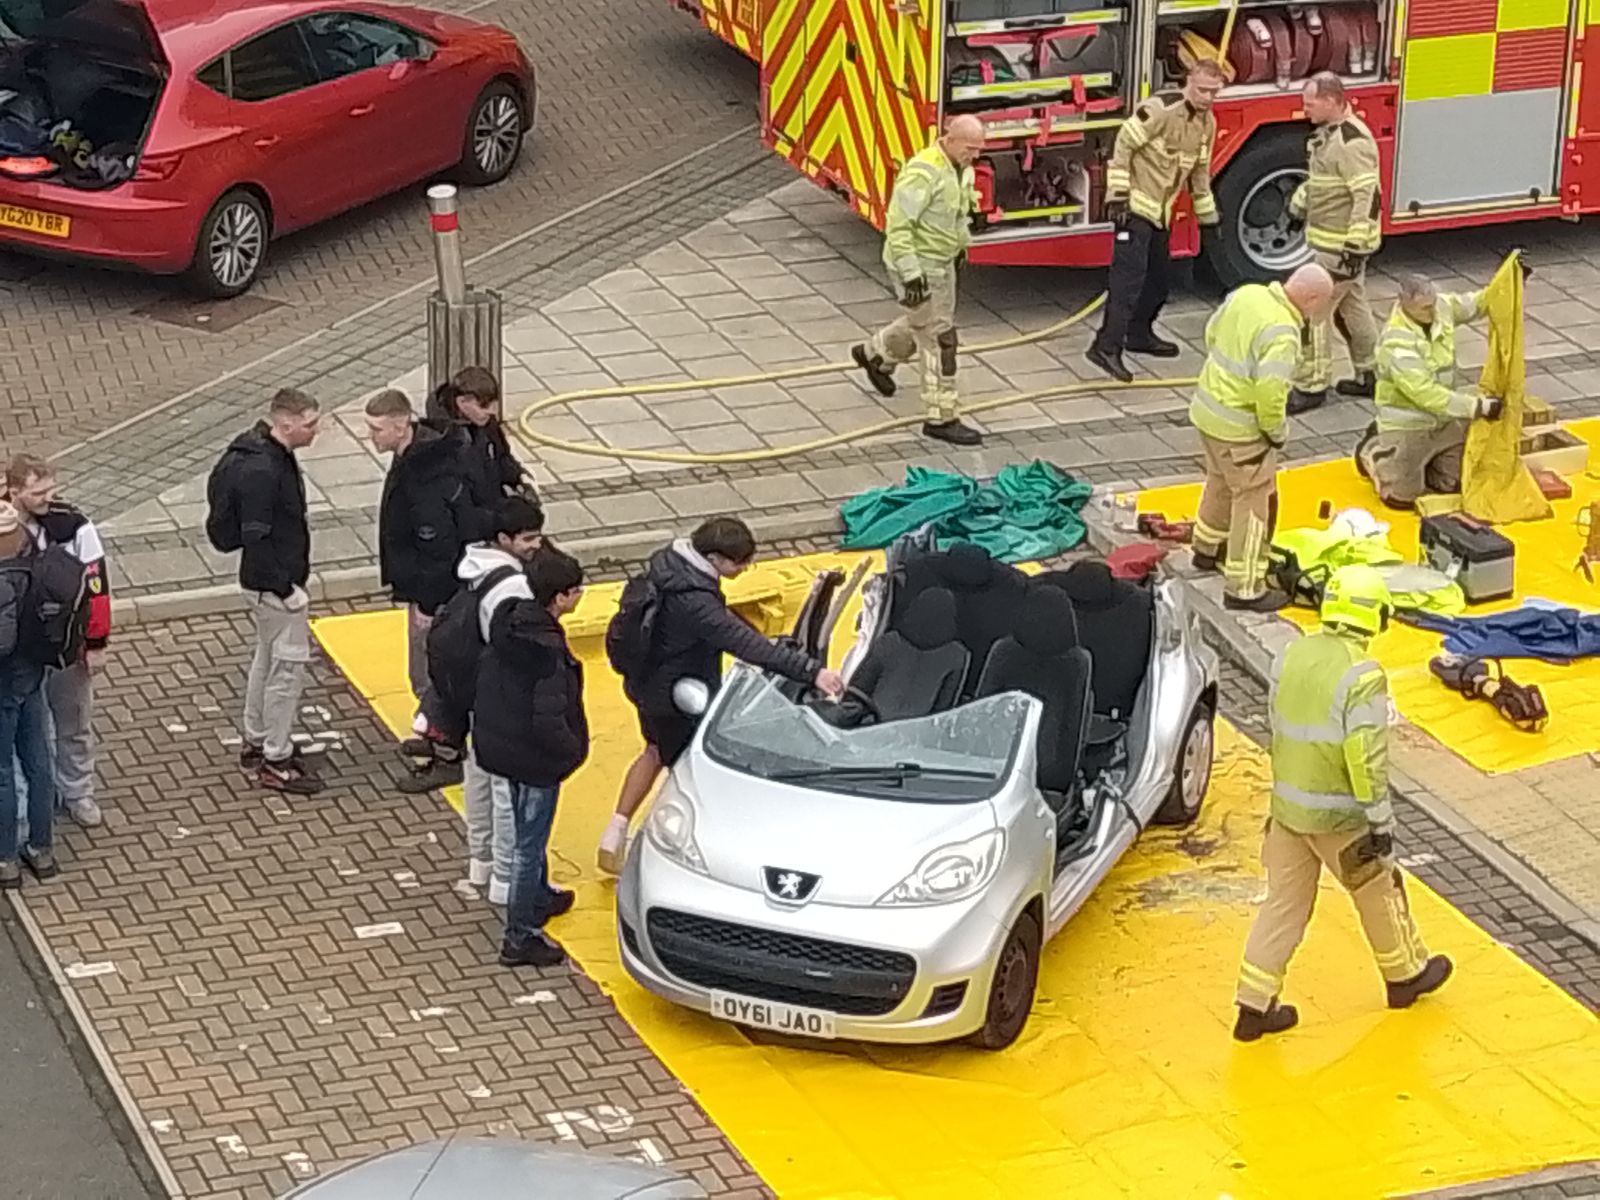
point(1478, 107)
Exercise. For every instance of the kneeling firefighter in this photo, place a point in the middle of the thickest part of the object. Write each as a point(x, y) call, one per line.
point(1415, 446)
point(1330, 808)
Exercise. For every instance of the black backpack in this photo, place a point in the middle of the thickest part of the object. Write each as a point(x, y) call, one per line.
point(631, 636)
point(53, 620)
point(455, 645)
point(222, 503)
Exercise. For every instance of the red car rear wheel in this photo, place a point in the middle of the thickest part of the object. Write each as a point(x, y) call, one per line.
point(232, 246)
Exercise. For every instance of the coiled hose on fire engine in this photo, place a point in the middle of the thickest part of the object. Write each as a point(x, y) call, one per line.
point(530, 432)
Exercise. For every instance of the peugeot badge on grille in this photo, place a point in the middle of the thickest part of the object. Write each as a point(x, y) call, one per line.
point(789, 887)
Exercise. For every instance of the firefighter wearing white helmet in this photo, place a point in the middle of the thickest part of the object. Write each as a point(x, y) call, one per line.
point(1330, 808)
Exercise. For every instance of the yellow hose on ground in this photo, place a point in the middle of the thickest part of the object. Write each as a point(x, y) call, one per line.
point(535, 438)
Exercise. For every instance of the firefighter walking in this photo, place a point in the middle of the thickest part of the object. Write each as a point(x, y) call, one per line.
point(926, 234)
point(1340, 205)
point(1330, 808)
point(1416, 443)
point(1252, 346)
point(1163, 148)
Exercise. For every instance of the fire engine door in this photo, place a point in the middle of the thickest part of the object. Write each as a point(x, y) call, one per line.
point(1483, 90)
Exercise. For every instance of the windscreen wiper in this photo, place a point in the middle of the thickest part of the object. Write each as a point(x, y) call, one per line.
point(886, 773)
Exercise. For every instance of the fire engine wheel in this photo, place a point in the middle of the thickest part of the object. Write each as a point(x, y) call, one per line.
point(1256, 242)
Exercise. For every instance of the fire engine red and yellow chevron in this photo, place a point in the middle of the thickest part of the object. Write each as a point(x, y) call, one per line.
point(1479, 47)
point(846, 90)
point(737, 22)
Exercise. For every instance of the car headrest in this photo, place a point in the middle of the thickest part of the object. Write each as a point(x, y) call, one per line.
point(1047, 625)
point(967, 567)
point(1090, 584)
point(930, 619)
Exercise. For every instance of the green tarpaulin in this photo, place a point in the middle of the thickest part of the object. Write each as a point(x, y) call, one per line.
point(1025, 513)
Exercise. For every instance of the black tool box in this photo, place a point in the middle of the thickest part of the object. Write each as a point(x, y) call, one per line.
point(1475, 555)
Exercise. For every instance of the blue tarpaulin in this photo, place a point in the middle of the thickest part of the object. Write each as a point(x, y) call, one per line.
point(1539, 629)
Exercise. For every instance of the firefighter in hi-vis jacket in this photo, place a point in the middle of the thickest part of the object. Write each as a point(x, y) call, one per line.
point(1163, 148)
point(1339, 203)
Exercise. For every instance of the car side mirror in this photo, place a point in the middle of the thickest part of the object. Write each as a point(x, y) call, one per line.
point(691, 696)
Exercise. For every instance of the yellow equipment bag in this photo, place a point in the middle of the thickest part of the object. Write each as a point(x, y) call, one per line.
point(1496, 486)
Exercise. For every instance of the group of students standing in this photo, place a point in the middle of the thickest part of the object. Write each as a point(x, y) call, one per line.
point(463, 546)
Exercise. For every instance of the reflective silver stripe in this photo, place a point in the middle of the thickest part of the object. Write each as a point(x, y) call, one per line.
point(1348, 680)
point(1370, 714)
point(1270, 334)
point(1242, 421)
point(1274, 370)
point(1232, 365)
point(1323, 801)
point(1308, 735)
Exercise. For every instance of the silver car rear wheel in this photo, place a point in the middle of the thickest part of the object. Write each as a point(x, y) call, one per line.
point(1191, 775)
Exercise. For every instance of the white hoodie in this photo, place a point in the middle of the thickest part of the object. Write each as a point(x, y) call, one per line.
point(480, 559)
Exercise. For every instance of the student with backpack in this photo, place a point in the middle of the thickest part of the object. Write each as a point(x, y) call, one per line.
point(256, 498)
point(530, 728)
point(674, 623)
point(471, 400)
point(24, 735)
point(80, 572)
point(491, 573)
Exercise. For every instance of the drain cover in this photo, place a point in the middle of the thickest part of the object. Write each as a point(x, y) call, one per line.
point(207, 316)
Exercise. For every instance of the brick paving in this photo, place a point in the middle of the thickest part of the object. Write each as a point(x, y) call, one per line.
point(626, 87)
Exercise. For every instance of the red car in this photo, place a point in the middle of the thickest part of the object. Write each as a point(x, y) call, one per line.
point(182, 135)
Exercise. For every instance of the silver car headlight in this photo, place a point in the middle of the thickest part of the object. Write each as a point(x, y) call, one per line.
point(670, 828)
point(952, 872)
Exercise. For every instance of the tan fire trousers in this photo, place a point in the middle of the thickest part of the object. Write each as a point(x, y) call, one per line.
point(928, 334)
point(1294, 863)
point(1352, 313)
point(1238, 506)
point(1405, 463)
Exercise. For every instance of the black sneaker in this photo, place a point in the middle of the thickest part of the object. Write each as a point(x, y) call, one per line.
point(10, 875)
point(1269, 601)
point(420, 748)
point(539, 952)
point(956, 433)
point(1363, 387)
point(1430, 979)
point(289, 776)
point(560, 902)
point(1304, 402)
point(1110, 361)
point(440, 772)
point(1155, 347)
point(1252, 1024)
point(251, 758)
point(879, 374)
point(41, 862)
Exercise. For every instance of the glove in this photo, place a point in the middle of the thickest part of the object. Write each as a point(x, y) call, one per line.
point(1490, 407)
point(1116, 209)
point(916, 293)
point(1383, 838)
point(1275, 442)
point(1297, 222)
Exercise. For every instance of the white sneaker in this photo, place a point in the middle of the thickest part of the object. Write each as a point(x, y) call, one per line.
point(479, 871)
point(499, 892)
point(85, 812)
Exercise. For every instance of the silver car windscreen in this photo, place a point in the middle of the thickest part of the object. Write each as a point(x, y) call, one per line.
point(963, 755)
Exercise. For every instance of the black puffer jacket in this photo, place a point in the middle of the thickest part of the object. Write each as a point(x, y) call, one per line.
point(694, 628)
point(276, 556)
point(494, 471)
point(528, 720)
point(426, 518)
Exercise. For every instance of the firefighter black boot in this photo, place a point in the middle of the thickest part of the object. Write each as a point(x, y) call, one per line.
point(1364, 386)
point(1301, 402)
point(879, 374)
point(1251, 1024)
point(1430, 979)
point(1109, 361)
point(1151, 344)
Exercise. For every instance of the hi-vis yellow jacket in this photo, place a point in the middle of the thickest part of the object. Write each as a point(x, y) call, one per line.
point(1163, 146)
point(1252, 345)
point(1417, 367)
point(1340, 200)
point(930, 210)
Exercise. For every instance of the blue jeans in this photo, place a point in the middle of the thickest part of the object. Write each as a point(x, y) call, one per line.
point(533, 812)
point(25, 733)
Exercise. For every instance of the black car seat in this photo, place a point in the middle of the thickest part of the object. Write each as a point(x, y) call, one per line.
point(1041, 658)
point(987, 593)
point(1115, 624)
point(916, 667)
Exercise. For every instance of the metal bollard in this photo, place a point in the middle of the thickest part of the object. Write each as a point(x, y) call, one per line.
point(463, 322)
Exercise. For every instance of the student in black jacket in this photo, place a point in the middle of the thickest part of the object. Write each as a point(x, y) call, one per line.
point(694, 628)
point(426, 518)
point(269, 496)
point(530, 728)
point(471, 400)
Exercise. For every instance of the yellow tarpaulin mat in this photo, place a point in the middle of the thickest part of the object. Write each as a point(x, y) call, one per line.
point(1127, 1083)
point(1546, 553)
point(1495, 483)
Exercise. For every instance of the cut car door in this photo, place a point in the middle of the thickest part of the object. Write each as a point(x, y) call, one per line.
point(1482, 99)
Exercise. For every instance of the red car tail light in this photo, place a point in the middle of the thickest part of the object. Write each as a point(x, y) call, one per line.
point(27, 168)
point(155, 168)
